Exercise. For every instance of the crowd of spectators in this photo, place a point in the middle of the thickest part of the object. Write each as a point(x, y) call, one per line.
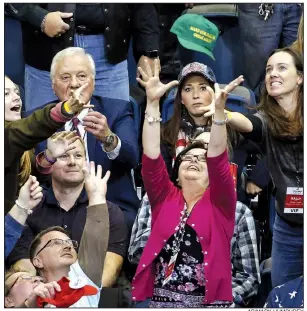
point(78, 233)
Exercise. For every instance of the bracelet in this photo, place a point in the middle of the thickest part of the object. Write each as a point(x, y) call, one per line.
point(43, 24)
point(65, 113)
point(151, 119)
point(228, 114)
point(24, 209)
point(67, 109)
point(48, 159)
point(217, 122)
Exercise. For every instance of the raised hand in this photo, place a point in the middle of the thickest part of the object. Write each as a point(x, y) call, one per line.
point(77, 101)
point(151, 63)
point(59, 143)
point(30, 193)
point(220, 96)
point(151, 82)
point(95, 185)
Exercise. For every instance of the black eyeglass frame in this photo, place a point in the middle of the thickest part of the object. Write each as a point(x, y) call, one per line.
point(73, 243)
point(193, 156)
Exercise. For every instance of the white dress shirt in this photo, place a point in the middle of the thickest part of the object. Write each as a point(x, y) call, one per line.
point(69, 124)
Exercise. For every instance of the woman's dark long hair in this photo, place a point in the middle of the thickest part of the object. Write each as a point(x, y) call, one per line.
point(170, 130)
point(280, 123)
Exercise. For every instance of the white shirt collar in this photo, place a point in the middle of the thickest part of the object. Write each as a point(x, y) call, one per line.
point(80, 116)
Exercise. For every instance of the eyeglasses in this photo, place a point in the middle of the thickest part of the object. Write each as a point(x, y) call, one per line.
point(24, 278)
point(57, 242)
point(190, 157)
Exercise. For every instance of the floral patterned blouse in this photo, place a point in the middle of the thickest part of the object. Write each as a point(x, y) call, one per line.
point(187, 286)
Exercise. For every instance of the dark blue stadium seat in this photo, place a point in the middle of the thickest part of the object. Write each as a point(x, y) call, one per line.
point(131, 66)
point(136, 115)
point(239, 101)
point(14, 65)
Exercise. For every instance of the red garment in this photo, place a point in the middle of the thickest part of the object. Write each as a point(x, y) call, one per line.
point(67, 296)
point(213, 219)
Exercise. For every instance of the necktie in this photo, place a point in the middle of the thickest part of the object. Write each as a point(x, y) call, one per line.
point(75, 122)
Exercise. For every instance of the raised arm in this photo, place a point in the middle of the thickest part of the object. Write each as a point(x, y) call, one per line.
point(217, 161)
point(154, 172)
point(218, 136)
point(154, 91)
point(239, 122)
point(95, 236)
point(58, 144)
point(26, 133)
point(30, 195)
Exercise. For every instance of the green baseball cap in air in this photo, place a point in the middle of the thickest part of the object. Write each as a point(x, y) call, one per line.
point(195, 32)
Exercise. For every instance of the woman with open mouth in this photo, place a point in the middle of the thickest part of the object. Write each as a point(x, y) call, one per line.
point(23, 134)
point(278, 129)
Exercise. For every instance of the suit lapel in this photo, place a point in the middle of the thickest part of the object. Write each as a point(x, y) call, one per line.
point(91, 144)
point(91, 139)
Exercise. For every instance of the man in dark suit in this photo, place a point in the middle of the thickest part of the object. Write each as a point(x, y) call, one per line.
point(108, 129)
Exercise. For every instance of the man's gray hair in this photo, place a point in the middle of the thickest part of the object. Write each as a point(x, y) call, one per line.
point(69, 52)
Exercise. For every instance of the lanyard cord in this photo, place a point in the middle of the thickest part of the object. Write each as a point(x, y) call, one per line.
point(297, 164)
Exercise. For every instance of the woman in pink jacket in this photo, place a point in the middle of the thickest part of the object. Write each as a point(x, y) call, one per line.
point(186, 261)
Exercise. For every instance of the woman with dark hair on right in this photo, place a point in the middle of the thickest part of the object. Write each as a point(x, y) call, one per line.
point(278, 129)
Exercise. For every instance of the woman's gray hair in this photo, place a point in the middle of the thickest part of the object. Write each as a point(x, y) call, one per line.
point(69, 52)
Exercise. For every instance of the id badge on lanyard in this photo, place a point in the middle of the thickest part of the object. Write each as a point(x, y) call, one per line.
point(294, 203)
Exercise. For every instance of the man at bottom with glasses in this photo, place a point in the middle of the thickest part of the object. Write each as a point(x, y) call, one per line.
point(53, 254)
point(65, 204)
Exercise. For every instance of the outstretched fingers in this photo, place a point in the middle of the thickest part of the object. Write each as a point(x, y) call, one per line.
point(106, 176)
point(99, 171)
point(80, 90)
point(143, 74)
point(171, 84)
point(148, 68)
point(85, 170)
point(233, 84)
point(156, 68)
point(92, 168)
point(211, 92)
point(141, 82)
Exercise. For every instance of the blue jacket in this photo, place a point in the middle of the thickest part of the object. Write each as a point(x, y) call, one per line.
point(12, 233)
point(121, 191)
